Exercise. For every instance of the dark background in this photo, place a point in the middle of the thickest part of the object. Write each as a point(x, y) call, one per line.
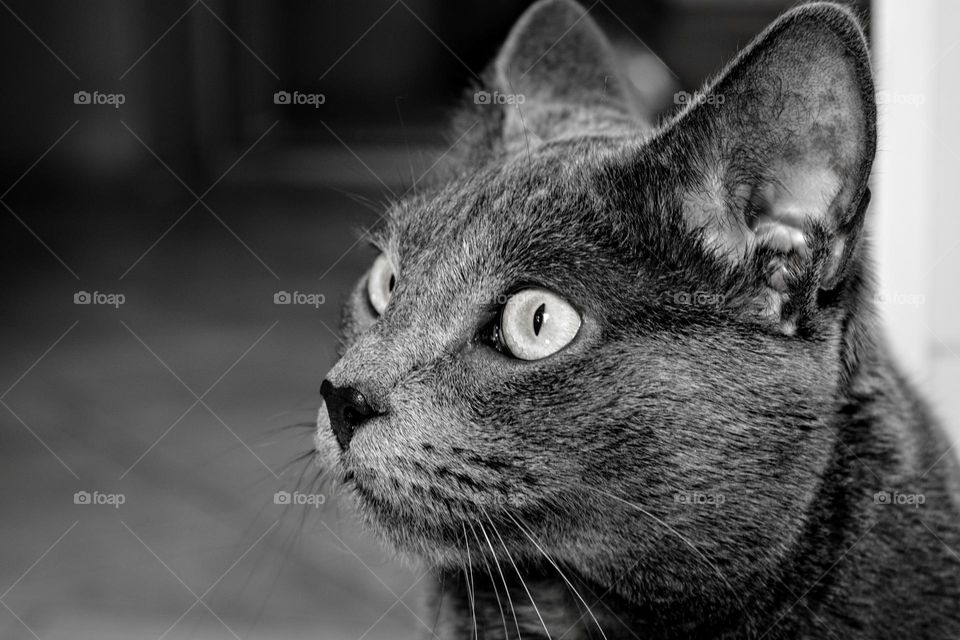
point(197, 200)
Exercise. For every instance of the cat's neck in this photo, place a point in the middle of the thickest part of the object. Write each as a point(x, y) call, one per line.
point(495, 603)
point(546, 604)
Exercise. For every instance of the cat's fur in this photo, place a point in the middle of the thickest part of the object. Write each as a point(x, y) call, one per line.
point(728, 350)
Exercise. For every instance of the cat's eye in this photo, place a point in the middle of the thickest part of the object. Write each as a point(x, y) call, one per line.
point(380, 283)
point(536, 323)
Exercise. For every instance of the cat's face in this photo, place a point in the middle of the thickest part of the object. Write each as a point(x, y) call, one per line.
point(553, 346)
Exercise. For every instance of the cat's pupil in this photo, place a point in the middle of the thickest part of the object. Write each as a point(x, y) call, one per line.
point(538, 318)
point(393, 281)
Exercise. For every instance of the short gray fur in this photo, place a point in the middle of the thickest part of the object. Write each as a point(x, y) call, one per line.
point(726, 449)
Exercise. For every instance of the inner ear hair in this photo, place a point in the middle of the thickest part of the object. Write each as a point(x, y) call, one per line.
point(782, 144)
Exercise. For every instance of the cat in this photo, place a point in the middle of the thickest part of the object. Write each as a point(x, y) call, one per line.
point(611, 379)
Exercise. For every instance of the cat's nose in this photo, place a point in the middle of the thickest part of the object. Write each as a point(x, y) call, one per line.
point(348, 410)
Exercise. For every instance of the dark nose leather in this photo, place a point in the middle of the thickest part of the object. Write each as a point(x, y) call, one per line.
point(348, 410)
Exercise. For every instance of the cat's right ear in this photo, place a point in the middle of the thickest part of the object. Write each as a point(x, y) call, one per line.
point(772, 160)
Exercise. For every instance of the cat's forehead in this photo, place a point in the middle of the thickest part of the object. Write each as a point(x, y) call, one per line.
point(549, 192)
point(539, 220)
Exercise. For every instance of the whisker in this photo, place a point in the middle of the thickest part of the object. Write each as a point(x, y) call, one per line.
point(493, 582)
point(363, 201)
point(555, 566)
point(291, 463)
point(306, 425)
point(471, 590)
point(503, 579)
point(443, 593)
point(286, 550)
point(519, 575)
point(406, 144)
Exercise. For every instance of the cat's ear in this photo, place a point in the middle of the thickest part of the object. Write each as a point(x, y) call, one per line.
point(558, 73)
point(777, 152)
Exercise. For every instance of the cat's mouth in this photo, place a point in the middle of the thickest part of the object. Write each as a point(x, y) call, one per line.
point(401, 506)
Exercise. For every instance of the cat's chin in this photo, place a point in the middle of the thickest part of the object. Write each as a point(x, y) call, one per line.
point(419, 535)
point(417, 549)
point(411, 540)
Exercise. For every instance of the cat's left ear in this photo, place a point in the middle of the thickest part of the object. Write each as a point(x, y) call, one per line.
point(557, 73)
point(775, 155)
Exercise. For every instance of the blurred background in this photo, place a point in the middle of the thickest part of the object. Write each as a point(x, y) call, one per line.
point(169, 169)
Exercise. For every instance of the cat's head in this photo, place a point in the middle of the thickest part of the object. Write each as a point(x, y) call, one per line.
point(612, 342)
